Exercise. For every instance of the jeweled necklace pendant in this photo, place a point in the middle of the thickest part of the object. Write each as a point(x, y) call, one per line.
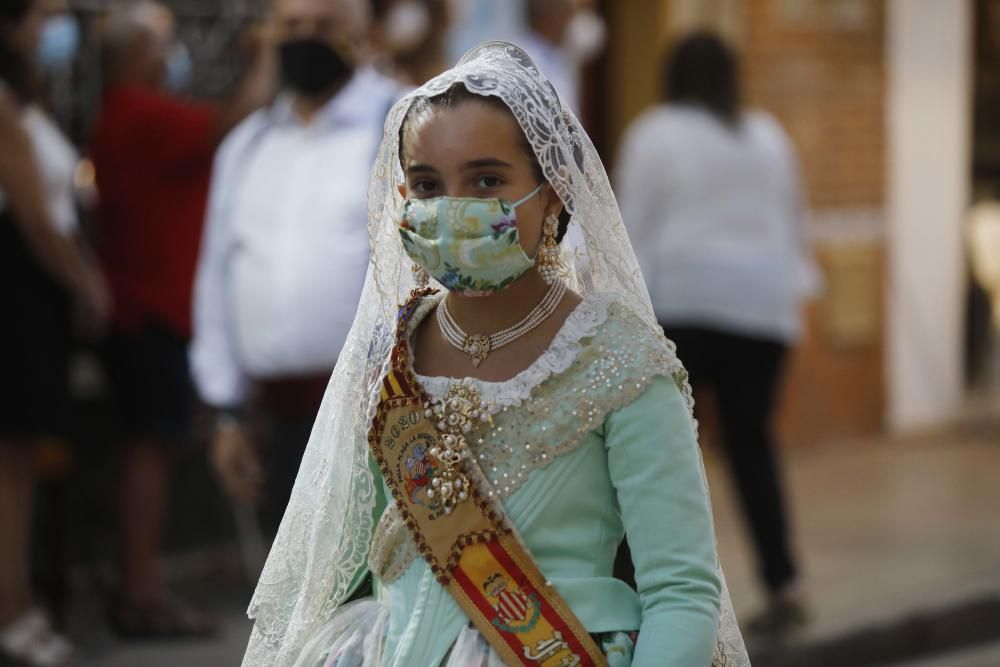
point(477, 346)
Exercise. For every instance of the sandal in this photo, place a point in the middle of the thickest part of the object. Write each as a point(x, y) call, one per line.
point(31, 640)
point(166, 618)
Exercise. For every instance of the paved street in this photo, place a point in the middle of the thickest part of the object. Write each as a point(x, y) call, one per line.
point(885, 529)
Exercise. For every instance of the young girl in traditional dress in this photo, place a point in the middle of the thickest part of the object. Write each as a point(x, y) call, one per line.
point(484, 448)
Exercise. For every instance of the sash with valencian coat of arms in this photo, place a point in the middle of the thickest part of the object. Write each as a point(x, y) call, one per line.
point(459, 525)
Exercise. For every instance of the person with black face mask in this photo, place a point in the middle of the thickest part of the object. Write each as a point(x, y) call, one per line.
point(286, 229)
point(312, 67)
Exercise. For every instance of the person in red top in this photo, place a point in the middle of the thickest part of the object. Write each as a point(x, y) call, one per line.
point(152, 153)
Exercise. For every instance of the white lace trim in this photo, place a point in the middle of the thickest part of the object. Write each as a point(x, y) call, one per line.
point(392, 549)
point(583, 322)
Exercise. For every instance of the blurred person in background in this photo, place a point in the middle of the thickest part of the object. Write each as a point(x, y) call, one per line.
point(152, 153)
point(286, 249)
point(562, 36)
point(982, 237)
point(410, 38)
point(45, 273)
point(714, 205)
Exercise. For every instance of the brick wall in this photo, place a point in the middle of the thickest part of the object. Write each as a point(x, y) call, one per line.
point(818, 66)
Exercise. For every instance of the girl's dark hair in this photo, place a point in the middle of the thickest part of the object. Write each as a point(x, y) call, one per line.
point(702, 70)
point(456, 95)
point(15, 71)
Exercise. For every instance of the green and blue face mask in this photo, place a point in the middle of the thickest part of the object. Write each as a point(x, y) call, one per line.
point(469, 245)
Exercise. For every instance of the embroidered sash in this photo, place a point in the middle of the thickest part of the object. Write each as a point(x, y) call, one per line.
point(458, 523)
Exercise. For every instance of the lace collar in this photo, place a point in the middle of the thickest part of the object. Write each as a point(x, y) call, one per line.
point(583, 322)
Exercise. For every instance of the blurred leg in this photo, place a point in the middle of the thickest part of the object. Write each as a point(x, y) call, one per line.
point(149, 372)
point(26, 635)
point(282, 449)
point(146, 609)
point(16, 486)
point(142, 503)
point(748, 382)
point(287, 408)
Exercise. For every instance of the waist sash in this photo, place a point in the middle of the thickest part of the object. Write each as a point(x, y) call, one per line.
point(459, 524)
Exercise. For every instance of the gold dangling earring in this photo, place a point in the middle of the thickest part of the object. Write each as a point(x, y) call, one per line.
point(420, 276)
point(548, 254)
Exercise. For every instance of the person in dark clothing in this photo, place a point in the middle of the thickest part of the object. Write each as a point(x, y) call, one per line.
point(46, 276)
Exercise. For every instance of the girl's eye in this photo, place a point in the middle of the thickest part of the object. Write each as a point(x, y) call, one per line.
point(423, 187)
point(488, 182)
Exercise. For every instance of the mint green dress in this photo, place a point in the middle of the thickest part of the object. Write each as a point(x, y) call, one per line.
point(592, 442)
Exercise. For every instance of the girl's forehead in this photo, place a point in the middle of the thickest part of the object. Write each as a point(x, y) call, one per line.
point(467, 125)
point(467, 113)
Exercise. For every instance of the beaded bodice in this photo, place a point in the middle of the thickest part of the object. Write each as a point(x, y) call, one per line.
point(602, 359)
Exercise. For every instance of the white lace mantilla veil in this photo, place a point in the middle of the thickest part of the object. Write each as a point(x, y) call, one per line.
point(323, 542)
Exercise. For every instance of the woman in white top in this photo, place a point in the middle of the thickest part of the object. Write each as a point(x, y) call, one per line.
point(45, 275)
point(712, 198)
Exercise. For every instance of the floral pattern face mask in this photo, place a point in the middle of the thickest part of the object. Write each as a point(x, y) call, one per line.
point(469, 245)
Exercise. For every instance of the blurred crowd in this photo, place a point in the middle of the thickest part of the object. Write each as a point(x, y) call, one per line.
point(219, 225)
point(217, 228)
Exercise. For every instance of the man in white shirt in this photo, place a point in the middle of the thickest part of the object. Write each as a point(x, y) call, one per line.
point(286, 249)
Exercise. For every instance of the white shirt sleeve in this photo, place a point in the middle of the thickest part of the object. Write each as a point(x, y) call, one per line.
point(215, 364)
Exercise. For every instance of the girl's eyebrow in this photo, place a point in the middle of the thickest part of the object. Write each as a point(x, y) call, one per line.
point(486, 162)
point(422, 168)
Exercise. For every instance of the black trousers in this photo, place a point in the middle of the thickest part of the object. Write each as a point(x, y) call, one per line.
point(151, 382)
point(282, 440)
point(744, 373)
point(284, 414)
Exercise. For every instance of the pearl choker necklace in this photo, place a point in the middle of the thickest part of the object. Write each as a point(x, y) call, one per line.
point(479, 346)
